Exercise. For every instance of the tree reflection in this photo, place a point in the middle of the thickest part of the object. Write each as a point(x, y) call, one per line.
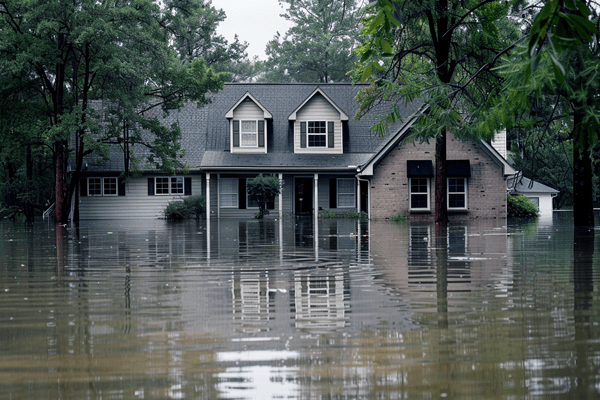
point(583, 288)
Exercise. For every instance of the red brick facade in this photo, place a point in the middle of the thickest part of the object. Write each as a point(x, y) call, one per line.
point(486, 188)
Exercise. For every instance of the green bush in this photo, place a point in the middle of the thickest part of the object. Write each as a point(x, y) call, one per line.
point(521, 207)
point(263, 189)
point(190, 207)
point(196, 206)
point(176, 210)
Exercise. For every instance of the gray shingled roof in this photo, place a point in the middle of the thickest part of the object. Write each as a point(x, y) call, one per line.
point(525, 186)
point(205, 130)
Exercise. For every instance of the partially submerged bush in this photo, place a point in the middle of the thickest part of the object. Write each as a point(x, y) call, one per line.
point(176, 210)
point(520, 206)
point(190, 207)
point(196, 206)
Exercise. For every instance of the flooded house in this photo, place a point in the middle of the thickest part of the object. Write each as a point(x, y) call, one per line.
point(306, 135)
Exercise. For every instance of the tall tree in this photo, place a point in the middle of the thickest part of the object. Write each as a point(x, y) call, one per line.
point(441, 51)
point(67, 53)
point(552, 86)
point(318, 48)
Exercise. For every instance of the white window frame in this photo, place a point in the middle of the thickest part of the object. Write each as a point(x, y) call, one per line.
point(105, 181)
point(339, 192)
point(174, 185)
point(222, 192)
point(465, 193)
point(428, 193)
point(309, 134)
point(254, 133)
point(100, 190)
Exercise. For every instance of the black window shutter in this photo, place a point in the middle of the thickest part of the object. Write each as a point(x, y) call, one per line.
point(83, 187)
point(187, 186)
point(236, 133)
point(330, 134)
point(303, 135)
point(242, 193)
point(150, 186)
point(332, 193)
point(261, 133)
point(121, 184)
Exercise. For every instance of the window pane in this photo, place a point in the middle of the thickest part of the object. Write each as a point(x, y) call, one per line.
point(162, 185)
point(317, 140)
point(317, 127)
point(317, 133)
point(229, 192)
point(419, 189)
point(249, 140)
point(456, 200)
point(110, 186)
point(418, 201)
point(346, 190)
point(94, 186)
point(248, 126)
point(177, 185)
point(456, 185)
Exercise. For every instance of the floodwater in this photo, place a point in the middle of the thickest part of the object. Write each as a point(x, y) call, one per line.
point(298, 309)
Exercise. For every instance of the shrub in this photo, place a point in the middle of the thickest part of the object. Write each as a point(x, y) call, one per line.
point(176, 210)
point(196, 206)
point(263, 189)
point(193, 206)
point(521, 207)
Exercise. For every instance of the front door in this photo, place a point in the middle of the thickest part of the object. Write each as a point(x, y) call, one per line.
point(303, 196)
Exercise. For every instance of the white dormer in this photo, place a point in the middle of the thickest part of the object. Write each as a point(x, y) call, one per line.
point(318, 125)
point(247, 126)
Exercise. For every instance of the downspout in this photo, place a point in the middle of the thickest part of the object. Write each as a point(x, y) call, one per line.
point(361, 179)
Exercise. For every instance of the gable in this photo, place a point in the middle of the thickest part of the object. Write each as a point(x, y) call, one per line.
point(318, 108)
point(315, 94)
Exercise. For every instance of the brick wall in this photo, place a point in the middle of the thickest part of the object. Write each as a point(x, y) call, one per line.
point(486, 188)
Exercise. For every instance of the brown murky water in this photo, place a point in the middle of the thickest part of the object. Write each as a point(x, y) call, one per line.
point(289, 310)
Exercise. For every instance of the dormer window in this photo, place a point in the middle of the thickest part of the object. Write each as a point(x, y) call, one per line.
point(248, 133)
point(248, 130)
point(317, 124)
point(317, 134)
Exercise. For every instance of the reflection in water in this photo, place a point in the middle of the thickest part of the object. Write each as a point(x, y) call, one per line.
point(298, 308)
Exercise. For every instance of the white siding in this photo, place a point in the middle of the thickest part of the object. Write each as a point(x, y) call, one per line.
point(319, 109)
point(545, 203)
point(136, 204)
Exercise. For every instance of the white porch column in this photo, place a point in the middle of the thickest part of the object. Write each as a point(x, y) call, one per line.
point(208, 215)
point(316, 217)
point(316, 193)
point(208, 196)
point(280, 196)
point(358, 195)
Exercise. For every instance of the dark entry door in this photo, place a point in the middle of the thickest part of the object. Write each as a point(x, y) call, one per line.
point(303, 196)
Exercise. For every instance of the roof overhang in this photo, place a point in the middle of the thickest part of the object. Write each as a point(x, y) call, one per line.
point(507, 169)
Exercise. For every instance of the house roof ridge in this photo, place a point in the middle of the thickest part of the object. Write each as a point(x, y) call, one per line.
point(296, 84)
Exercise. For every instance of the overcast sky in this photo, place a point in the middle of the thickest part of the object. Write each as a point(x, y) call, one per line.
point(254, 21)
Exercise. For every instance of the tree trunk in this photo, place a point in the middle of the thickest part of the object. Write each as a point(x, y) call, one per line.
point(62, 203)
point(441, 209)
point(583, 206)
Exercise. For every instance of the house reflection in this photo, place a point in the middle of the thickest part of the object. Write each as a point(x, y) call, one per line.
point(319, 298)
point(250, 296)
point(408, 255)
